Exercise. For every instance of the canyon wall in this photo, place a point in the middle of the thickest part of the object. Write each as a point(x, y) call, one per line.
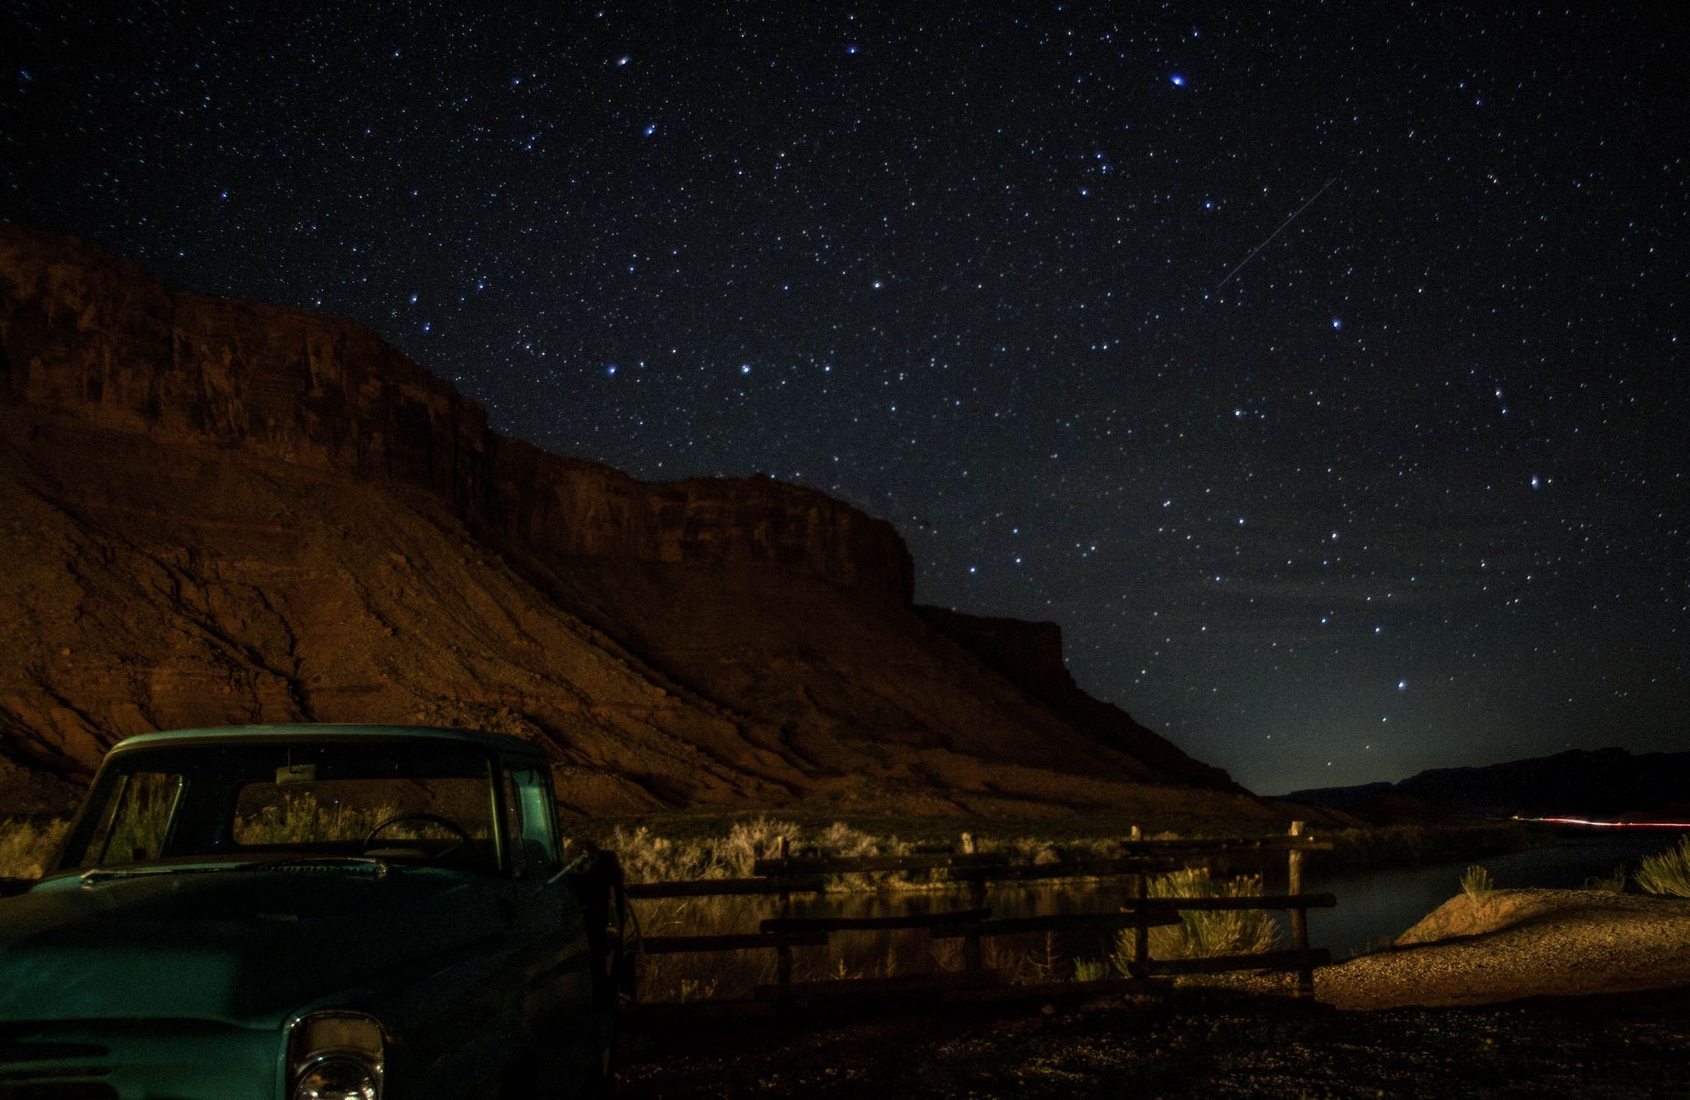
point(213, 512)
point(95, 338)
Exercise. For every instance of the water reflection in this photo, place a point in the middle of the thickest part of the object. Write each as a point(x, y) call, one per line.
point(1378, 906)
point(1374, 907)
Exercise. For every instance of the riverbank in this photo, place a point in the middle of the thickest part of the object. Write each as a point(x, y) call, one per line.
point(693, 845)
point(1510, 994)
point(1510, 944)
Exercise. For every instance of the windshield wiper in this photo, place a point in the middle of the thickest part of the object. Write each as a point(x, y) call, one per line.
point(99, 874)
point(311, 861)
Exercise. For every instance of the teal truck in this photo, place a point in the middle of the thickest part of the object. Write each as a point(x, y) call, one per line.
point(314, 913)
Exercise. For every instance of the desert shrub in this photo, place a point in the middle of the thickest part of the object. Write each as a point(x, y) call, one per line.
point(724, 849)
point(1046, 961)
point(840, 839)
point(1476, 882)
point(1667, 872)
point(1091, 970)
point(1611, 883)
point(301, 819)
point(696, 989)
point(27, 845)
point(749, 841)
point(648, 857)
point(1202, 933)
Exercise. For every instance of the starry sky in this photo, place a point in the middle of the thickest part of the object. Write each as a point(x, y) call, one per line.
point(1320, 368)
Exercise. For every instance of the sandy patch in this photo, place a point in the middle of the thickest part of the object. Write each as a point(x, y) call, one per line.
point(1511, 944)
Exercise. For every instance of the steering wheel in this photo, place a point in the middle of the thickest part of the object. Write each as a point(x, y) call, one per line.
point(446, 823)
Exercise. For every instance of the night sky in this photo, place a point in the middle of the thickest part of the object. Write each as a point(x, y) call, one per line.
point(1320, 369)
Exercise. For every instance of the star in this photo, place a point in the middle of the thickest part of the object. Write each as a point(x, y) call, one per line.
point(1057, 244)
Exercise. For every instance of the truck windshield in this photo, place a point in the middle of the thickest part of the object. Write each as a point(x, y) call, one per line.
point(397, 799)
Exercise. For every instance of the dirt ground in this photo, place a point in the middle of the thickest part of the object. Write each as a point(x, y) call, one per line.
point(1632, 1045)
point(1515, 993)
point(1506, 945)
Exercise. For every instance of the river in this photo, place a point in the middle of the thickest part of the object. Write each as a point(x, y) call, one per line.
point(1374, 906)
point(1379, 905)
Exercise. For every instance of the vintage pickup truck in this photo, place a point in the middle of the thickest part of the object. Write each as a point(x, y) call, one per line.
point(313, 912)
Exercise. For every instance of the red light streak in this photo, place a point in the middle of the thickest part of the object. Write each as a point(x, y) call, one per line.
point(1611, 824)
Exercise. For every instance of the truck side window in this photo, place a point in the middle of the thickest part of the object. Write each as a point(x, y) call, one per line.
point(536, 828)
point(139, 820)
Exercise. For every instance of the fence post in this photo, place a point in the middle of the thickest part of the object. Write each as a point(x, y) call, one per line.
point(1299, 915)
point(1141, 927)
point(972, 958)
point(783, 953)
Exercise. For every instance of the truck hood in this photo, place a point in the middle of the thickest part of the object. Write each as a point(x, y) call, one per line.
point(247, 947)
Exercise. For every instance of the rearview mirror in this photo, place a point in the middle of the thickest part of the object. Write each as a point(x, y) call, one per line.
point(289, 774)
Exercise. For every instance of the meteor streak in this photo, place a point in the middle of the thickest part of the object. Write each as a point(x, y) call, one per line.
point(1275, 233)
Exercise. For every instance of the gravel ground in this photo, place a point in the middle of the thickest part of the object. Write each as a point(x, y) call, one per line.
point(1510, 944)
point(1521, 993)
point(1632, 1046)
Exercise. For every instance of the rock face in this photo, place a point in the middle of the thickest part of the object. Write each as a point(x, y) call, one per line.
point(99, 340)
point(1030, 655)
point(214, 512)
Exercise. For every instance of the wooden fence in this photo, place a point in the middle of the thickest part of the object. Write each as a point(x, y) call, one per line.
point(789, 875)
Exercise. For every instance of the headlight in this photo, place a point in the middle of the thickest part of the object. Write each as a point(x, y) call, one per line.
point(335, 1056)
point(337, 1078)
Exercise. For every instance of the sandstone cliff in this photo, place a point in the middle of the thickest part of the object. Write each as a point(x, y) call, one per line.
point(212, 511)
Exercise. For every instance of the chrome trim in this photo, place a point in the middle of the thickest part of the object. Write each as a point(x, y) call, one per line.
point(298, 1069)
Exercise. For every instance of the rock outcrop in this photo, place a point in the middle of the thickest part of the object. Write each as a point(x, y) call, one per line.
point(98, 340)
point(1030, 655)
point(216, 512)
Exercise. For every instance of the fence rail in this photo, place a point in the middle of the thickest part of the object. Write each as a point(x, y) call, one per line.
point(724, 887)
point(786, 876)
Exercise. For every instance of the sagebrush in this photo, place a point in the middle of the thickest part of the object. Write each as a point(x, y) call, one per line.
point(27, 845)
point(1204, 933)
point(1476, 882)
point(1666, 873)
point(649, 856)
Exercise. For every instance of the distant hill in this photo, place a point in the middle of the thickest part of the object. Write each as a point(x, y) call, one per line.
point(1609, 783)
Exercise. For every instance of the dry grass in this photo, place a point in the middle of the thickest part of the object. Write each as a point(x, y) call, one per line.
point(1667, 873)
point(1611, 883)
point(26, 845)
point(302, 819)
point(649, 856)
point(1204, 933)
point(1476, 882)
